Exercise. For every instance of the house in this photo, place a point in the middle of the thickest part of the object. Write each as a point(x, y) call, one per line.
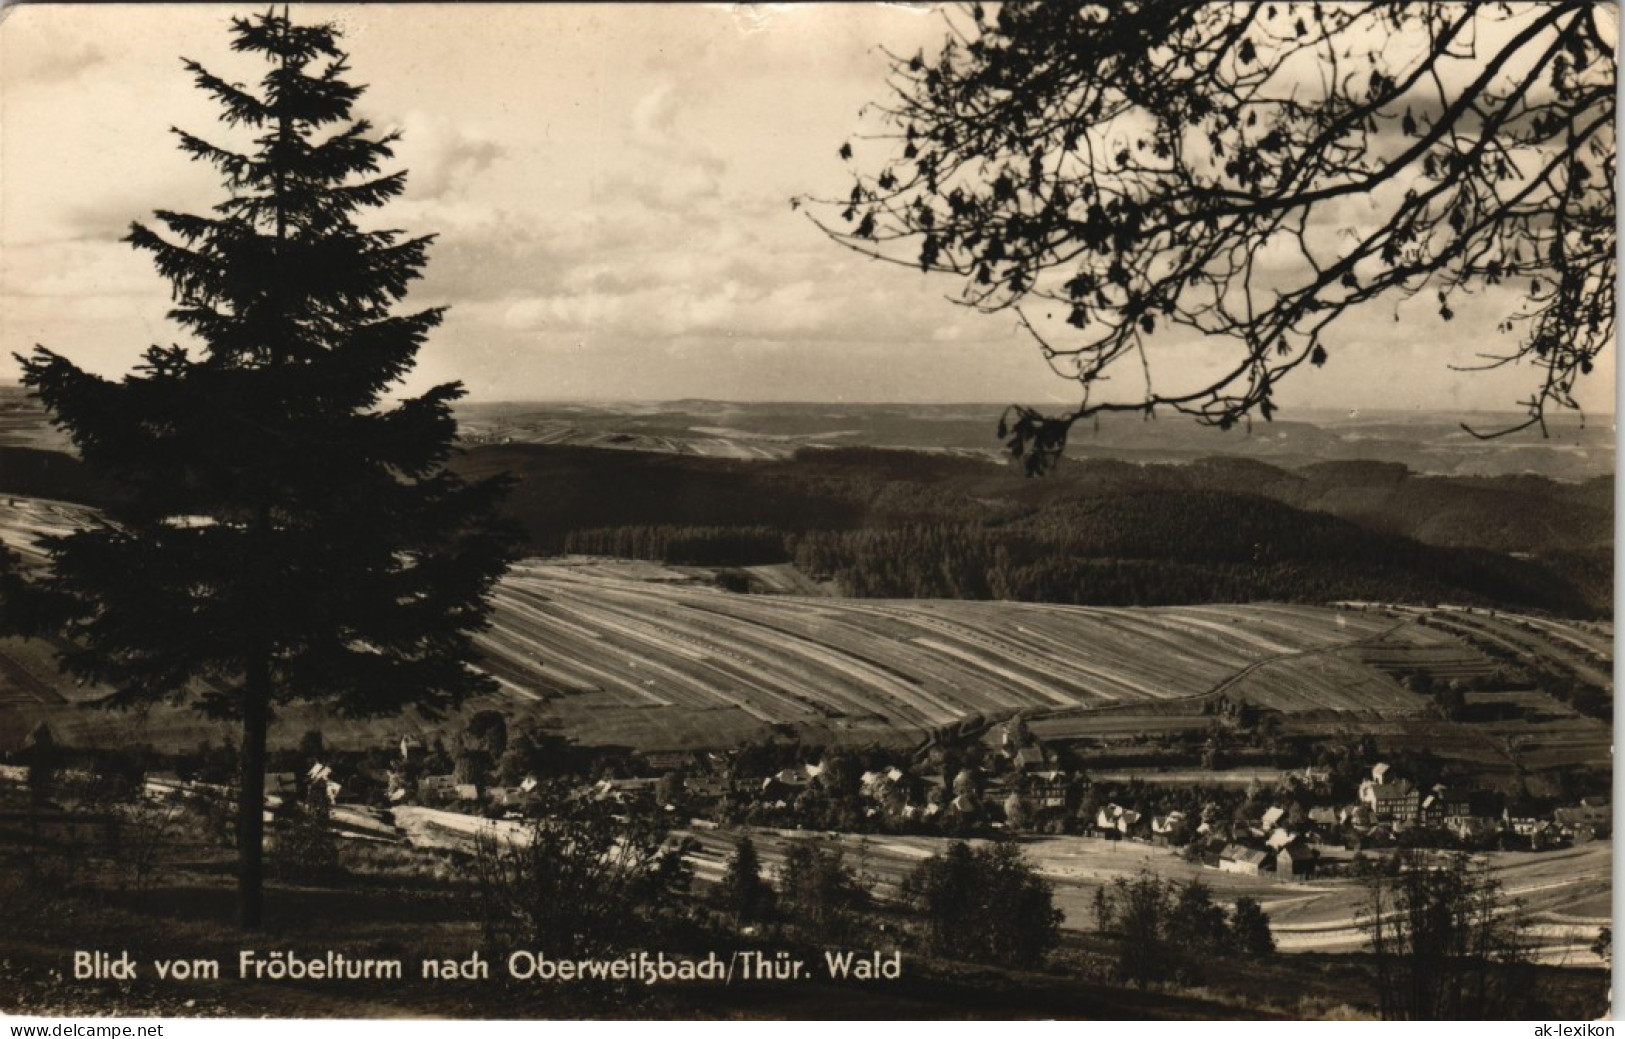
point(466, 792)
point(1048, 790)
point(1207, 850)
point(1247, 861)
point(1125, 822)
point(882, 783)
point(1294, 860)
point(1396, 804)
point(1168, 829)
point(1523, 818)
point(669, 760)
point(1471, 813)
point(710, 788)
point(437, 787)
point(1585, 822)
point(784, 783)
point(1324, 817)
point(516, 802)
point(620, 791)
point(1033, 758)
point(1279, 838)
point(1431, 811)
point(281, 787)
point(1272, 818)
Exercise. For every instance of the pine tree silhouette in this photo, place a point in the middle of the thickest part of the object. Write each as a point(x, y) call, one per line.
point(282, 531)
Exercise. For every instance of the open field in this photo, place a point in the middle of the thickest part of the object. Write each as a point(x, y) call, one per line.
point(641, 637)
point(648, 656)
point(1567, 894)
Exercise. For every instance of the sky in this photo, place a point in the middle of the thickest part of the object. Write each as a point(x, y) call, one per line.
point(610, 188)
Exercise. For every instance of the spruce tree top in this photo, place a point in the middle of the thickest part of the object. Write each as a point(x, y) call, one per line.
point(278, 523)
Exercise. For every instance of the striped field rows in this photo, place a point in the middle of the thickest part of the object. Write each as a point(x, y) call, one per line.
point(645, 640)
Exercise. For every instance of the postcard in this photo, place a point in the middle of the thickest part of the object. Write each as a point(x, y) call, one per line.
point(817, 511)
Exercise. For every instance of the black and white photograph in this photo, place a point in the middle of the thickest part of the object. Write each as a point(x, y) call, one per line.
point(798, 512)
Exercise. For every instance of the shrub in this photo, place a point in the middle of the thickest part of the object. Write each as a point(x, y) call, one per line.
point(306, 849)
point(580, 880)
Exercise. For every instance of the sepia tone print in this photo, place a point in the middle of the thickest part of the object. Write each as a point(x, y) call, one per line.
point(823, 511)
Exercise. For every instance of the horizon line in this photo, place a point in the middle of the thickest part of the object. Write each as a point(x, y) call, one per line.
point(1283, 411)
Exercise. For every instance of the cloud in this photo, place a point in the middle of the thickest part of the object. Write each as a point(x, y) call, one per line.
point(79, 270)
point(443, 156)
point(59, 58)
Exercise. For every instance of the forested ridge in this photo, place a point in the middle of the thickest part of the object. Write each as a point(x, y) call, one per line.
point(887, 523)
point(1162, 548)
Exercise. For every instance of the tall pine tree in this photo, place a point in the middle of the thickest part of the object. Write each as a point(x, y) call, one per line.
point(282, 531)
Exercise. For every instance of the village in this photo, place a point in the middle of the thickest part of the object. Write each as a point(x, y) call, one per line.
point(1315, 820)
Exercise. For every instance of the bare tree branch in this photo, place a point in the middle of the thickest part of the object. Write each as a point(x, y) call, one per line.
point(1129, 177)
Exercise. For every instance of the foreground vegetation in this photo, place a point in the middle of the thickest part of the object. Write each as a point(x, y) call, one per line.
point(78, 878)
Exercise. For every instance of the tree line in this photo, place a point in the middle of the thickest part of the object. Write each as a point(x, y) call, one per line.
point(1136, 549)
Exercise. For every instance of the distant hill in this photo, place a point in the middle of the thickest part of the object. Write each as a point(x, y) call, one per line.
point(1427, 443)
point(885, 522)
point(896, 523)
point(1431, 443)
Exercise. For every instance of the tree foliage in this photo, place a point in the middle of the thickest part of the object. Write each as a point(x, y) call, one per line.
point(279, 529)
point(742, 891)
point(820, 894)
point(1250, 929)
point(585, 878)
point(1447, 942)
point(306, 848)
point(1131, 177)
point(1166, 930)
point(985, 904)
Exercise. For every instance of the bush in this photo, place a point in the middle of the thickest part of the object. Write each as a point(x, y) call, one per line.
point(580, 880)
point(306, 849)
